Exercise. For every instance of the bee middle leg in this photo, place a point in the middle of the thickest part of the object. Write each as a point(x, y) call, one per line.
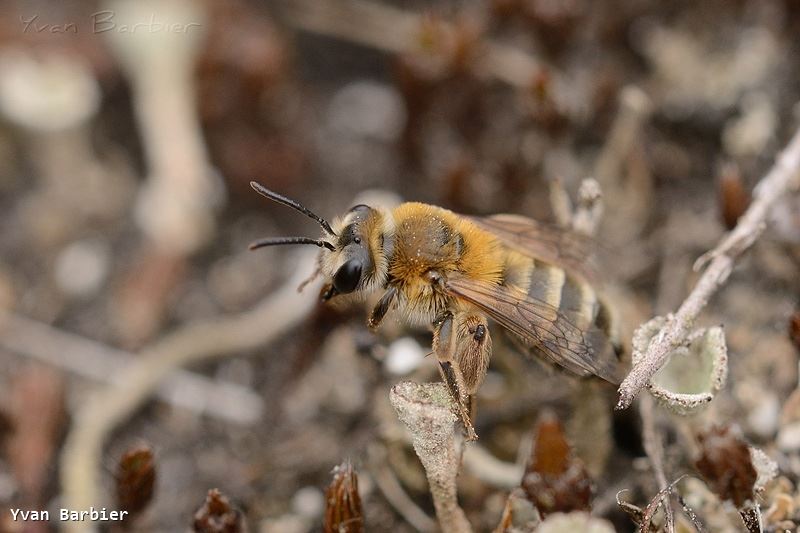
point(463, 347)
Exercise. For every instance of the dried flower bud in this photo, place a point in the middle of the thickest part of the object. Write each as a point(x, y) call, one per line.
point(136, 478)
point(726, 465)
point(555, 480)
point(6, 426)
point(794, 329)
point(733, 197)
point(217, 515)
point(343, 512)
point(31, 447)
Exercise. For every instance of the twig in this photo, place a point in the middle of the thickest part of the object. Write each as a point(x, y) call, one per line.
point(97, 361)
point(634, 108)
point(585, 216)
point(589, 211)
point(688, 511)
point(782, 178)
point(393, 30)
point(175, 205)
point(627, 183)
point(560, 202)
point(192, 343)
point(652, 446)
point(428, 413)
point(479, 462)
point(652, 507)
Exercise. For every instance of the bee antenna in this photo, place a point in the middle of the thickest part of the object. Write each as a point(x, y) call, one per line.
point(275, 197)
point(290, 240)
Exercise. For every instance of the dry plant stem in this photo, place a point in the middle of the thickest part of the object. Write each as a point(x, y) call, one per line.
point(428, 412)
point(93, 360)
point(627, 186)
point(585, 216)
point(174, 209)
point(479, 462)
point(782, 178)
point(106, 409)
point(560, 203)
point(394, 30)
point(655, 453)
point(393, 492)
point(634, 109)
point(589, 210)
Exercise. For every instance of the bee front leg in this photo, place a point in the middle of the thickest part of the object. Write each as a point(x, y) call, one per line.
point(381, 308)
point(462, 346)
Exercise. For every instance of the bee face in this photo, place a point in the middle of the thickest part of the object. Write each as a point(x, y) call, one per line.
point(358, 262)
point(353, 252)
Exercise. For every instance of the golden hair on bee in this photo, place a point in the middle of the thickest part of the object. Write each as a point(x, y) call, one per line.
point(455, 273)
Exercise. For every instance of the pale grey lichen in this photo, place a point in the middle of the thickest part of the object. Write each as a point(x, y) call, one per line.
point(428, 412)
point(519, 515)
point(575, 521)
point(695, 371)
point(766, 468)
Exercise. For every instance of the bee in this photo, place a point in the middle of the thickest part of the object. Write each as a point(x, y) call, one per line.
point(455, 273)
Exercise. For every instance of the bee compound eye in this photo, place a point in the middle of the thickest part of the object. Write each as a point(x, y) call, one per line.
point(347, 277)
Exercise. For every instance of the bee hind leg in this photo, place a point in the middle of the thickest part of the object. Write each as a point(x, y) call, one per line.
point(463, 346)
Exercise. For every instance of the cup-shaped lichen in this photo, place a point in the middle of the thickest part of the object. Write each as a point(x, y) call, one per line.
point(695, 371)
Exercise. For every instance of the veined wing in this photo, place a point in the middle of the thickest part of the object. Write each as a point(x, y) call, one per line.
point(542, 328)
point(554, 245)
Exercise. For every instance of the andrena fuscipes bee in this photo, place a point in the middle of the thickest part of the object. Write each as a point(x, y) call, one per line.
point(455, 273)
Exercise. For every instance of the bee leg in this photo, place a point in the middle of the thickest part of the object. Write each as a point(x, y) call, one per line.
point(310, 279)
point(473, 349)
point(381, 308)
point(462, 346)
point(444, 343)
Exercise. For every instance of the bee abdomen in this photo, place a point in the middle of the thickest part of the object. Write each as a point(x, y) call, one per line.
point(582, 305)
point(546, 283)
point(578, 302)
point(572, 296)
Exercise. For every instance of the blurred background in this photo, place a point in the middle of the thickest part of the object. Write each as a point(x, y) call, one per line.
point(137, 327)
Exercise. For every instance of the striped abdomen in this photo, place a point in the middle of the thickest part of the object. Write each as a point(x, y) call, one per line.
point(574, 298)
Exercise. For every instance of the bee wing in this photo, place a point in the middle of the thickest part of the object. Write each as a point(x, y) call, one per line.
point(551, 244)
point(542, 328)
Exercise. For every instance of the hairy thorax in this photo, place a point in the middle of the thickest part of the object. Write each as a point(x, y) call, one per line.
point(431, 244)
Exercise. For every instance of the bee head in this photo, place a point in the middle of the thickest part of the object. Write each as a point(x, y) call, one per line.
point(354, 256)
point(359, 260)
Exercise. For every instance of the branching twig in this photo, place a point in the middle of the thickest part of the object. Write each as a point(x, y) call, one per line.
point(585, 216)
point(428, 413)
point(652, 507)
point(655, 452)
point(195, 342)
point(783, 177)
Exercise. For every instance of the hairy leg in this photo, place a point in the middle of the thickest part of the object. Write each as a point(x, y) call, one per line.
point(462, 346)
